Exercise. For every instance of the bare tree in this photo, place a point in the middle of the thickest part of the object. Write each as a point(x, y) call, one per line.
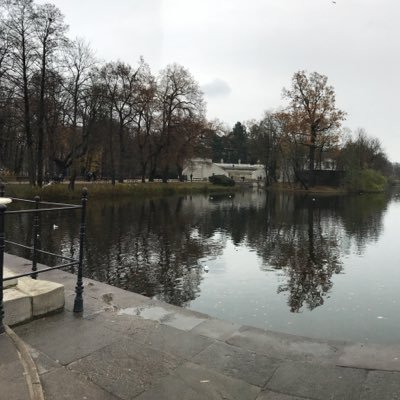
point(179, 98)
point(50, 32)
point(265, 143)
point(19, 23)
point(122, 82)
point(146, 118)
point(363, 152)
point(80, 63)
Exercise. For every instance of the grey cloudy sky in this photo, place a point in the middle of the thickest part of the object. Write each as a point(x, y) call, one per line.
point(244, 52)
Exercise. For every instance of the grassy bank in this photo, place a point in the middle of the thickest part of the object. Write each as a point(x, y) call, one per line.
point(286, 187)
point(356, 181)
point(61, 192)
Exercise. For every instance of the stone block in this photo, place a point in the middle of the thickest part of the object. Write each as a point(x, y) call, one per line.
point(268, 395)
point(371, 356)
point(381, 385)
point(192, 382)
point(318, 382)
point(255, 369)
point(216, 329)
point(126, 368)
point(6, 274)
point(46, 296)
point(17, 307)
point(281, 345)
point(61, 384)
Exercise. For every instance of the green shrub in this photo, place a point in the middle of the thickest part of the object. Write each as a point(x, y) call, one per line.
point(221, 180)
point(366, 180)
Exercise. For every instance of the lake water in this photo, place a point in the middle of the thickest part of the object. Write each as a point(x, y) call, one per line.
point(325, 267)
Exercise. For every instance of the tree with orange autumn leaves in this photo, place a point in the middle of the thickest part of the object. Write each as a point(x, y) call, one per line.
point(312, 116)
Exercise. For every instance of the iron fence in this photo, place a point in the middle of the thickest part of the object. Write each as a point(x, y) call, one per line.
point(39, 208)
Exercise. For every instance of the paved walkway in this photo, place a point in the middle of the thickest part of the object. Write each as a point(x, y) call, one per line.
point(13, 385)
point(127, 346)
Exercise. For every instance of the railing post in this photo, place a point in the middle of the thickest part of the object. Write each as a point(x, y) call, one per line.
point(78, 303)
point(35, 238)
point(2, 215)
point(2, 189)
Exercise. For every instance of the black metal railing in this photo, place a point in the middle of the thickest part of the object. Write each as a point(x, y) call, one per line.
point(35, 251)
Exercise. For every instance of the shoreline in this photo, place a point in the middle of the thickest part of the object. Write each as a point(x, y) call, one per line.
point(119, 190)
point(157, 189)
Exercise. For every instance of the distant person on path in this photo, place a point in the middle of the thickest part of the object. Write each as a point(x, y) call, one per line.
point(191, 177)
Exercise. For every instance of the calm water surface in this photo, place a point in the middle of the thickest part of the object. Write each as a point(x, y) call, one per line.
point(326, 267)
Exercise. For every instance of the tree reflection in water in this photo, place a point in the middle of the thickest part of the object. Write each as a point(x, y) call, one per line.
point(309, 258)
point(155, 247)
point(309, 237)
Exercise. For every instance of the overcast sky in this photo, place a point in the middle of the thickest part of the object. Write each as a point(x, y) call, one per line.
point(243, 53)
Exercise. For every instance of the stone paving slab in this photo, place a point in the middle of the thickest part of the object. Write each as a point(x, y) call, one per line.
point(255, 369)
point(43, 362)
point(61, 384)
point(91, 306)
point(318, 382)
point(268, 395)
point(216, 329)
point(8, 352)
point(382, 386)
point(173, 341)
point(371, 356)
point(13, 385)
point(167, 314)
point(127, 325)
point(192, 382)
point(279, 345)
point(65, 337)
point(125, 368)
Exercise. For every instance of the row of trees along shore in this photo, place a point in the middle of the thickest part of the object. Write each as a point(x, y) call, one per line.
point(62, 112)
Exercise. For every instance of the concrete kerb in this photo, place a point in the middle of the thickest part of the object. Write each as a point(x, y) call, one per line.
point(31, 373)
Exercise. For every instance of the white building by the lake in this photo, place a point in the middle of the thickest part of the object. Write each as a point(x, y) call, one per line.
point(202, 169)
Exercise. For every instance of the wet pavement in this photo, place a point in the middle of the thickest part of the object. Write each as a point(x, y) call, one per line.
point(126, 346)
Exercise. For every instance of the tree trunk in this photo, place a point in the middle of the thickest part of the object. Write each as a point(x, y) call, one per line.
point(41, 121)
point(27, 119)
point(143, 171)
point(165, 175)
point(72, 179)
point(111, 150)
point(121, 163)
point(312, 158)
point(180, 170)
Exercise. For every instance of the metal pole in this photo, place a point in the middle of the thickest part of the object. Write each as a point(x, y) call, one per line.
point(2, 215)
point(78, 303)
point(35, 238)
point(2, 189)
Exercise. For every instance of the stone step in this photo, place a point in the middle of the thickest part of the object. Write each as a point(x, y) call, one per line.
point(17, 307)
point(7, 274)
point(46, 296)
point(31, 298)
